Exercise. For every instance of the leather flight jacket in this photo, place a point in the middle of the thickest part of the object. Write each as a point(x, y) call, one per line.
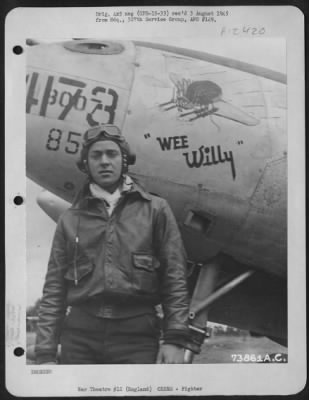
point(131, 260)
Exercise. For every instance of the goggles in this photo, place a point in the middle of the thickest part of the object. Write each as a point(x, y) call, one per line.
point(107, 131)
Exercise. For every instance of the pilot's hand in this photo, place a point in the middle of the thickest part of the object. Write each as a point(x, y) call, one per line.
point(170, 354)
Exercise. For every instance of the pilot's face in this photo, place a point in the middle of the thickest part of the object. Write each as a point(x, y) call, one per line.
point(105, 164)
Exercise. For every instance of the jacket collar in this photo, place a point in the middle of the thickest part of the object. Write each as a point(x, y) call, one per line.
point(137, 188)
point(84, 195)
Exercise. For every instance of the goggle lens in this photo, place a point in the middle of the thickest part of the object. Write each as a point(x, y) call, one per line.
point(111, 131)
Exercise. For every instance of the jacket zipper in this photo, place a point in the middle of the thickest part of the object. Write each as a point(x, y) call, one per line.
point(76, 251)
point(121, 202)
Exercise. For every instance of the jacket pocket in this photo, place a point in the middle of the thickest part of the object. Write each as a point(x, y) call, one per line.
point(144, 261)
point(80, 271)
point(145, 277)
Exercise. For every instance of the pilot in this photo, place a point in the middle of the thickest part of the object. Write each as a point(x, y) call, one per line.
point(117, 253)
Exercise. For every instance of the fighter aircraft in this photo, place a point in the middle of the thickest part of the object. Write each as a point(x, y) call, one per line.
point(210, 137)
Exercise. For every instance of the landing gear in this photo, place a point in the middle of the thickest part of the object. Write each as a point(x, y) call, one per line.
point(204, 295)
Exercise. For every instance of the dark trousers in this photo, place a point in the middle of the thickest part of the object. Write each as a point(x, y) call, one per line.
point(86, 339)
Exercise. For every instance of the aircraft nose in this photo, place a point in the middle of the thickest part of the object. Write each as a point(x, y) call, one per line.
point(64, 103)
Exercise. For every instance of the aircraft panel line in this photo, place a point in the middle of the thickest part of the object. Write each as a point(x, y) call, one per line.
point(228, 62)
